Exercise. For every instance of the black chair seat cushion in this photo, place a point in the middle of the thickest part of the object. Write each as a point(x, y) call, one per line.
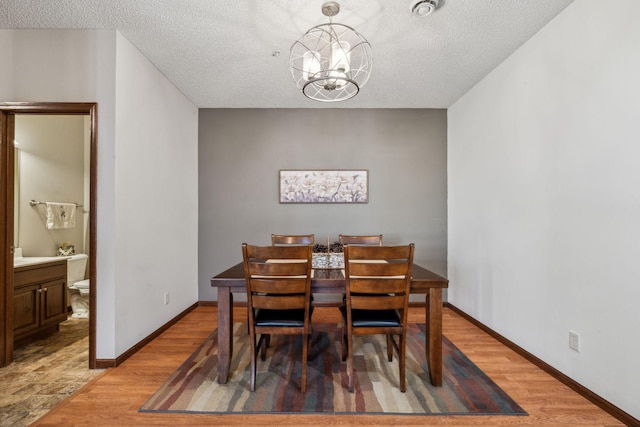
point(283, 318)
point(368, 318)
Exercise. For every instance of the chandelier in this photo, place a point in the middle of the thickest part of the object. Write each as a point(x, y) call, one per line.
point(330, 62)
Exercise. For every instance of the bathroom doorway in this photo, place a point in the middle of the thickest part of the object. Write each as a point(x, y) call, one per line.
point(13, 115)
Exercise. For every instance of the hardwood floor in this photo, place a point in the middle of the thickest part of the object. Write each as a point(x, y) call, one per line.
point(114, 397)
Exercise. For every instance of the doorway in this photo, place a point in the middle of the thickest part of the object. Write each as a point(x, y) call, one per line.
point(8, 113)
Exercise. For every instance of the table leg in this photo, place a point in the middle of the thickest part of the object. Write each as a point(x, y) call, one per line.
point(225, 332)
point(433, 338)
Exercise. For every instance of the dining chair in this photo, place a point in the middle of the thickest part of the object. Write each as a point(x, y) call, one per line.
point(292, 239)
point(378, 279)
point(361, 240)
point(278, 280)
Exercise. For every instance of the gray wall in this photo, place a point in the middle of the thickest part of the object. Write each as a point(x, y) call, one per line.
point(242, 150)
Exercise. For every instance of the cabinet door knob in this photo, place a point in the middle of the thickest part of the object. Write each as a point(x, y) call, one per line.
point(44, 289)
point(39, 291)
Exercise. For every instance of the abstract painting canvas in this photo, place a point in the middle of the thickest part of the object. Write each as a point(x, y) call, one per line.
point(324, 186)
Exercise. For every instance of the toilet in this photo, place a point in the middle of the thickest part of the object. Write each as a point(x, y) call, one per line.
point(78, 286)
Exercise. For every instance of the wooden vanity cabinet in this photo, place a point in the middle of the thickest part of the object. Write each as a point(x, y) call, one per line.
point(39, 301)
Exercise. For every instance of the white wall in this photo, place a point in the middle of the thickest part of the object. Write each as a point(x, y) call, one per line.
point(6, 72)
point(156, 185)
point(544, 202)
point(140, 117)
point(242, 151)
point(75, 66)
point(51, 159)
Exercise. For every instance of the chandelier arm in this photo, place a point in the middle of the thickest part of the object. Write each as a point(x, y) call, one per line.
point(357, 45)
point(318, 39)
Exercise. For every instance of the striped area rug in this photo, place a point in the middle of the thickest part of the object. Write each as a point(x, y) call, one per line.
point(466, 389)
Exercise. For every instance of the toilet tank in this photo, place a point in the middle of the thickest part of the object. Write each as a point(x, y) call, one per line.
point(76, 268)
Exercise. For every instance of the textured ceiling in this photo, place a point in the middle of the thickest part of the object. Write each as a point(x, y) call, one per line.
point(219, 53)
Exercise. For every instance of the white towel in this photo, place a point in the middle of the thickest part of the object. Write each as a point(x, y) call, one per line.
point(61, 215)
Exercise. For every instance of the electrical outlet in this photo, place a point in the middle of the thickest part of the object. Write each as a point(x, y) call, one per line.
point(166, 298)
point(574, 341)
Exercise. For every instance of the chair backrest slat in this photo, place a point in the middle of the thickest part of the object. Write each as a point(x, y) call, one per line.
point(278, 286)
point(281, 302)
point(386, 253)
point(361, 240)
point(378, 285)
point(369, 302)
point(292, 239)
point(377, 269)
point(284, 252)
point(272, 267)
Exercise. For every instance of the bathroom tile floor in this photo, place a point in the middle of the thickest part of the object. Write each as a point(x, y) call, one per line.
point(45, 373)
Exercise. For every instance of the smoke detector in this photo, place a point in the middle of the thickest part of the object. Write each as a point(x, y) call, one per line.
point(423, 7)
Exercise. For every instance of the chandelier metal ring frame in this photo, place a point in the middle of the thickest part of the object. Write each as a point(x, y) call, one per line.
point(331, 62)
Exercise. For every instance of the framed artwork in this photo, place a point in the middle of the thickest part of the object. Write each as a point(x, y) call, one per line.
point(324, 186)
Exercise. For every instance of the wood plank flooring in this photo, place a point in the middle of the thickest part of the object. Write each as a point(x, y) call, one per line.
point(45, 373)
point(114, 397)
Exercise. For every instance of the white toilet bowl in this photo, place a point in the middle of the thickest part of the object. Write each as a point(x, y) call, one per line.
point(78, 286)
point(82, 286)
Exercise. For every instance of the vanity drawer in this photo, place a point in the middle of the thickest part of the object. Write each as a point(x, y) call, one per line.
point(30, 274)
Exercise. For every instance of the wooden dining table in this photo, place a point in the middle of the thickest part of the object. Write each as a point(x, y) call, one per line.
point(332, 281)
